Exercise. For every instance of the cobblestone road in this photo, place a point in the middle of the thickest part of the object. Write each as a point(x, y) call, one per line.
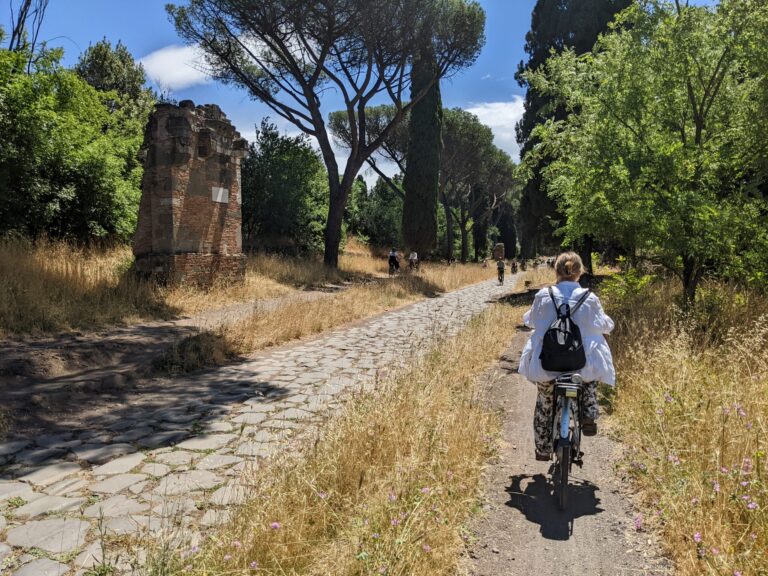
point(179, 461)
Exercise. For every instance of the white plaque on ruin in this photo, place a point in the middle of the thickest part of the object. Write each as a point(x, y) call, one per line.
point(220, 195)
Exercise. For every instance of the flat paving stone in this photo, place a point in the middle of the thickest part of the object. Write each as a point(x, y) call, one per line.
point(40, 456)
point(10, 490)
point(215, 517)
point(251, 418)
point(57, 536)
point(92, 556)
point(156, 470)
point(5, 551)
point(116, 506)
point(207, 442)
point(100, 453)
point(119, 465)
point(167, 438)
point(134, 434)
point(126, 525)
point(47, 505)
point(50, 474)
point(66, 486)
point(254, 449)
point(217, 461)
point(229, 495)
point(116, 484)
point(43, 567)
point(10, 448)
point(184, 482)
point(178, 458)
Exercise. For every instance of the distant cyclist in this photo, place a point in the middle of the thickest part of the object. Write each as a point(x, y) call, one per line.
point(413, 260)
point(394, 261)
point(500, 266)
point(593, 323)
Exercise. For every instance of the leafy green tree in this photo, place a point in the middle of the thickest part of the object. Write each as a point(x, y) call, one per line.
point(655, 153)
point(68, 161)
point(421, 181)
point(379, 213)
point(106, 69)
point(283, 195)
point(555, 25)
point(287, 53)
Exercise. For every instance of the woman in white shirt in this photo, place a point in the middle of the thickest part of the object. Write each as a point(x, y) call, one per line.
point(593, 323)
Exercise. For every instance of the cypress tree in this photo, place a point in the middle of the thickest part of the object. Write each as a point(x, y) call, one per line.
point(423, 158)
point(555, 25)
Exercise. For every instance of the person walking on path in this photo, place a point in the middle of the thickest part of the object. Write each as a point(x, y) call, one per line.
point(593, 323)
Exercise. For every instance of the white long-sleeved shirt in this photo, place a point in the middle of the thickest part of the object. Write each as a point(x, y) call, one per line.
point(593, 323)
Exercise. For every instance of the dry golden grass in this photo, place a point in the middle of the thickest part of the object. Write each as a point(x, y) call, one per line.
point(692, 402)
point(538, 276)
point(387, 487)
point(53, 286)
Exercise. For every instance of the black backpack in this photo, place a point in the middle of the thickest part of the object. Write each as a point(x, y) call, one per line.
point(562, 349)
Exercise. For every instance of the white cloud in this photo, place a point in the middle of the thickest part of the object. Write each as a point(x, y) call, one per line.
point(175, 67)
point(486, 77)
point(502, 117)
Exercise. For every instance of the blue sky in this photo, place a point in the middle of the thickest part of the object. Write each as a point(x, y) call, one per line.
point(488, 88)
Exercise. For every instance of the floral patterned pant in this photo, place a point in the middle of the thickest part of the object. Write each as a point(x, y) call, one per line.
point(543, 416)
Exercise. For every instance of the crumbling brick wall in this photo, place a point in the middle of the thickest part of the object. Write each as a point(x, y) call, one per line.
point(189, 227)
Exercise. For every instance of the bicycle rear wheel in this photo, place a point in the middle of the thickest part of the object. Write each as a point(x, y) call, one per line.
point(562, 473)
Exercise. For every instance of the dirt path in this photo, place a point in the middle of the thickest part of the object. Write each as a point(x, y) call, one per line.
point(522, 532)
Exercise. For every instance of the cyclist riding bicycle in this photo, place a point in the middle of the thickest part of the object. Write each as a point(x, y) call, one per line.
point(593, 323)
point(500, 265)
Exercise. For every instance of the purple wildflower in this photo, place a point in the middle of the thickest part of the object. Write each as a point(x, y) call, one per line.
point(275, 525)
point(425, 490)
point(227, 557)
point(639, 522)
point(237, 544)
point(253, 565)
point(716, 486)
point(427, 548)
point(752, 506)
point(697, 537)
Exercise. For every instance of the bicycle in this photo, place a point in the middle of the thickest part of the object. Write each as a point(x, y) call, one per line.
point(566, 432)
point(501, 276)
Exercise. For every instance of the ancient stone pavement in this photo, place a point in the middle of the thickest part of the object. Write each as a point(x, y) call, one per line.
point(179, 460)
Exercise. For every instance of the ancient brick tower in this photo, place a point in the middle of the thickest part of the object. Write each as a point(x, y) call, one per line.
point(189, 227)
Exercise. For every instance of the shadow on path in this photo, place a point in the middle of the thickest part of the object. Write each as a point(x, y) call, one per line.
point(532, 495)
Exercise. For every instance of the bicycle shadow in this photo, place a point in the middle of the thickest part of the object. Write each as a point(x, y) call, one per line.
point(539, 505)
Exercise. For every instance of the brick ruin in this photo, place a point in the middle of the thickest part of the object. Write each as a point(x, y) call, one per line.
point(189, 228)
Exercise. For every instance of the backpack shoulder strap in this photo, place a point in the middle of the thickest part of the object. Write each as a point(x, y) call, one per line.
point(554, 302)
point(580, 301)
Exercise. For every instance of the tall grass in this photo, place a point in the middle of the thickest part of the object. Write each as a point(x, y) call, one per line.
point(386, 488)
point(53, 286)
point(692, 403)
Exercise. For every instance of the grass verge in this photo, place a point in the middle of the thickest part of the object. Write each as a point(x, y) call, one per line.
point(388, 486)
point(692, 405)
point(53, 286)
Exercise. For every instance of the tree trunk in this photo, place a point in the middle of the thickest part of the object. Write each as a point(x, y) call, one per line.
point(691, 276)
point(463, 220)
point(448, 231)
point(333, 226)
point(587, 243)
